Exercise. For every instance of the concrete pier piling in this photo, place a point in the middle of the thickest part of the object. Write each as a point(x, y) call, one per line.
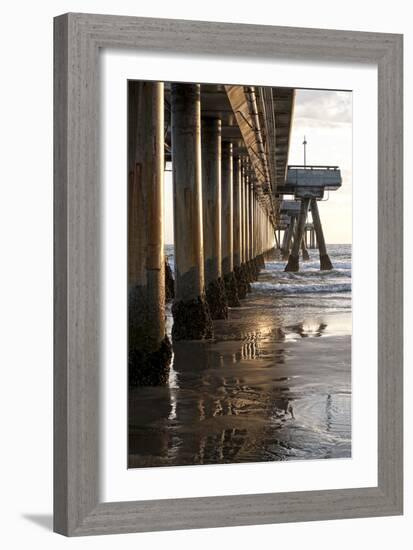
point(293, 260)
point(325, 263)
point(227, 225)
point(254, 266)
point(192, 319)
point(242, 283)
point(242, 213)
point(304, 250)
point(244, 269)
point(288, 238)
point(252, 215)
point(312, 239)
point(149, 350)
point(236, 211)
point(211, 204)
point(260, 228)
point(248, 257)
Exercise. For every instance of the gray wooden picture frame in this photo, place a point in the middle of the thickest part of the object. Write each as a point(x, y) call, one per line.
point(77, 506)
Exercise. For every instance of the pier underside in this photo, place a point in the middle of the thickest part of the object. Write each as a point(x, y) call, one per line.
point(228, 147)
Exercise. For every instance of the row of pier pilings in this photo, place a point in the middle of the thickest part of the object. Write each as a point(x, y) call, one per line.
point(221, 230)
point(295, 237)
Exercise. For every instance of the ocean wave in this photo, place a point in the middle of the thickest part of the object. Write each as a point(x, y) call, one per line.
point(306, 276)
point(301, 288)
point(310, 267)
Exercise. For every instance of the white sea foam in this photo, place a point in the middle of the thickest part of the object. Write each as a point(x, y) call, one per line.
point(285, 288)
point(327, 285)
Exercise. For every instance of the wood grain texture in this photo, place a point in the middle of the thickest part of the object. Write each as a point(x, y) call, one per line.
point(78, 38)
point(60, 277)
point(390, 274)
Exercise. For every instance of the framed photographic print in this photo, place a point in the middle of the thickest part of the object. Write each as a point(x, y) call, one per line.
point(228, 274)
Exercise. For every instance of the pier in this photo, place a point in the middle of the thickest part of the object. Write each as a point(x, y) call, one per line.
point(236, 201)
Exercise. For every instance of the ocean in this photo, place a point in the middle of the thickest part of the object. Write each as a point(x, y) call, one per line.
point(274, 384)
point(331, 289)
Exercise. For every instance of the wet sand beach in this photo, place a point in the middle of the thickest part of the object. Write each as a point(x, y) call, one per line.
point(274, 384)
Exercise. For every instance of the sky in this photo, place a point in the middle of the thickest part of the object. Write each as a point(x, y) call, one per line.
point(324, 117)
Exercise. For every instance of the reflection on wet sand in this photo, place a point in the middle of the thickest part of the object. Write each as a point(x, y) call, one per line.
point(267, 388)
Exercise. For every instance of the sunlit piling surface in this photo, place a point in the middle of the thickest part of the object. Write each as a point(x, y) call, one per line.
point(274, 384)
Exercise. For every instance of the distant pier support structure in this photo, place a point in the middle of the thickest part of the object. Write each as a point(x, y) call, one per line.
point(308, 184)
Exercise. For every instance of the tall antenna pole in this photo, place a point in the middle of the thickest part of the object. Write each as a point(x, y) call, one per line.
point(305, 151)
